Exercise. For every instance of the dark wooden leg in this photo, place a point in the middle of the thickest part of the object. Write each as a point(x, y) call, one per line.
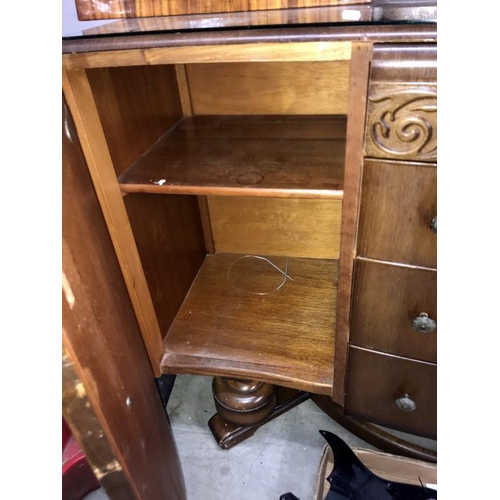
point(372, 434)
point(244, 405)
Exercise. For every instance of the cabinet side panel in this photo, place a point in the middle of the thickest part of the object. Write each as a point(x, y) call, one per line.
point(169, 237)
point(269, 88)
point(136, 106)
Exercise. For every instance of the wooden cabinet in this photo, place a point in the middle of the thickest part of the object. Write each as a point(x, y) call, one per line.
point(262, 209)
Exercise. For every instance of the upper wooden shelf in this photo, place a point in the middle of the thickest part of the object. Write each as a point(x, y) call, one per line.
point(273, 156)
point(286, 337)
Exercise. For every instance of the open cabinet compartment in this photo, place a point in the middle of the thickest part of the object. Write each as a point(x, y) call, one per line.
point(219, 161)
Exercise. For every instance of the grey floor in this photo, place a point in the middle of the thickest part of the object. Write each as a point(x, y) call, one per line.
point(282, 456)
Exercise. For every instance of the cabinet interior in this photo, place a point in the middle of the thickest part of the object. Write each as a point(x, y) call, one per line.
point(217, 162)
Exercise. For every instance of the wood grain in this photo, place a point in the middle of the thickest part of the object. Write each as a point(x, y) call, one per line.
point(271, 226)
point(104, 347)
point(107, 9)
point(136, 105)
point(169, 237)
point(375, 381)
point(206, 223)
point(399, 202)
point(251, 52)
point(301, 88)
point(81, 102)
point(285, 337)
point(287, 156)
point(386, 299)
point(358, 89)
point(184, 91)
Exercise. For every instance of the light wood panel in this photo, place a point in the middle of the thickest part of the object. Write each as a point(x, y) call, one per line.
point(285, 337)
point(269, 226)
point(279, 156)
point(109, 9)
point(269, 88)
point(136, 105)
point(80, 99)
point(263, 52)
point(184, 92)
point(358, 89)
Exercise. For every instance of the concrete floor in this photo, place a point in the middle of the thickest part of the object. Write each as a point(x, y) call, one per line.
point(282, 456)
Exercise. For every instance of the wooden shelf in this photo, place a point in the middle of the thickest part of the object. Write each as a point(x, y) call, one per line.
point(286, 337)
point(274, 156)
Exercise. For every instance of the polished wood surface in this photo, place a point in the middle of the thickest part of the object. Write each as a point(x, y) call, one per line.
point(287, 336)
point(184, 92)
point(300, 88)
point(103, 344)
point(136, 105)
point(375, 381)
point(276, 226)
point(78, 93)
point(251, 52)
point(108, 9)
point(399, 201)
point(169, 237)
point(288, 156)
point(358, 84)
point(386, 299)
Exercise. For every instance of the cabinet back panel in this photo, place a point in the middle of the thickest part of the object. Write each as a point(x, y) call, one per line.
point(169, 237)
point(272, 226)
point(136, 106)
point(269, 88)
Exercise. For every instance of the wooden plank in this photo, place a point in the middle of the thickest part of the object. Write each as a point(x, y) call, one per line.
point(278, 156)
point(248, 52)
point(169, 237)
point(207, 223)
point(287, 336)
point(301, 88)
point(358, 89)
point(136, 105)
point(108, 9)
point(399, 203)
point(109, 392)
point(271, 226)
point(81, 102)
point(183, 85)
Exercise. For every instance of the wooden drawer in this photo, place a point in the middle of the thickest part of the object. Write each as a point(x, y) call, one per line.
point(387, 298)
point(375, 382)
point(399, 202)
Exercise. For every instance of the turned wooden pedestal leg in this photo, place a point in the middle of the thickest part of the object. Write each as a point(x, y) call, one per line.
point(245, 405)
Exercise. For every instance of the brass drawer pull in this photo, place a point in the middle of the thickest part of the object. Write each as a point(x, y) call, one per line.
point(434, 225)
point(406, 404)
point(423, 324)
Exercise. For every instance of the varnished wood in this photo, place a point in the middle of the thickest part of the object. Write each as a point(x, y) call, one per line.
point(265, 52)
point(107, 9)
point(285, 337)
point(272, 226)
point(228, 435)
point(206, 223)
point(78, 92)
point(103, 346)
point(386, 299)
point(358, 88)
point(184, 91)
point(373, 434)
point(375, 381)
point(136, 105)
point(278, 156)
point(303, 88)
point(169, 237)
point(398, 204)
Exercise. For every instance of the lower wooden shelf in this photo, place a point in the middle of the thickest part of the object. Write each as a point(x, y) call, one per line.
point(235, 322)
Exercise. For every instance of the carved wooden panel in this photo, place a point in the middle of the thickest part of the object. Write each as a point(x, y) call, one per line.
point(402, 121)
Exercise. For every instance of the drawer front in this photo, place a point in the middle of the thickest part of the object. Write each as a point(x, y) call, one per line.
point(395, 392)
point(398, 213)
point(390, 305)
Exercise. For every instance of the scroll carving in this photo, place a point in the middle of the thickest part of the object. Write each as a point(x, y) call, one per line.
point(402, 122)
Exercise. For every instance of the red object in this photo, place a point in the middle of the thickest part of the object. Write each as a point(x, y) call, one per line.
point(78, 479)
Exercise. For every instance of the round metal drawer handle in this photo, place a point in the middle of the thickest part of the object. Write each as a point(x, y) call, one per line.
point(406, 404)
point(434, 225)
point(423, 324)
